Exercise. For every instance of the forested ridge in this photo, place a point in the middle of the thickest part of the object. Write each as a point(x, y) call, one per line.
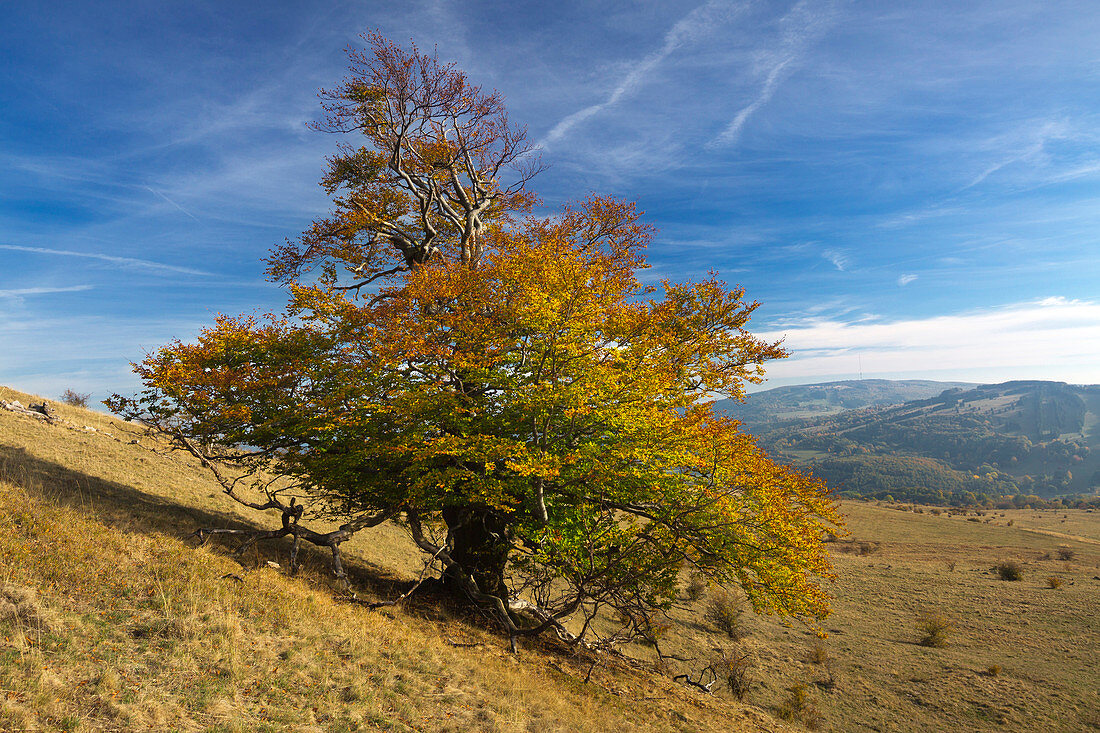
point(1029, 440)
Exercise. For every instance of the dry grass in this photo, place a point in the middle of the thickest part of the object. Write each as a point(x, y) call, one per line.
point(1043, 644)
point(120, 625)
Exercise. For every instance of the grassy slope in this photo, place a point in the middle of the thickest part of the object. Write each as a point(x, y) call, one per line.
point(142, 631)
point(1045, 642)
point(399, 667)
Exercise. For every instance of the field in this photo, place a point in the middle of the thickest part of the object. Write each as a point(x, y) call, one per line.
point(130, 627)
point(1021, 655)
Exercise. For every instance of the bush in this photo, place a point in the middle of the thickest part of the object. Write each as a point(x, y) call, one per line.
point(993, 670)
point(1054, 582)
point(800, 707)
point(76, 399)
point(866, 548)
point(1010, 570)
point(734, 667)
point(1064, 553)
point(819, 654)
point(724, 613)
point(696, 587)
point(934, 629)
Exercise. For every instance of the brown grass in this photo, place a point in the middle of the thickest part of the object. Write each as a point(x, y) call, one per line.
point(121, 625)
point(1042, 643)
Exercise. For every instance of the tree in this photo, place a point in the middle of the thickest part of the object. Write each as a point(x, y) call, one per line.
point(74, 398)
point(499, 383)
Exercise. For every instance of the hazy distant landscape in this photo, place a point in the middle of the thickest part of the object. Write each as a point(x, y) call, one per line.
point(943, 443)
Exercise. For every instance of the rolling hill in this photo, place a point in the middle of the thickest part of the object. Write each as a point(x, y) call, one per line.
point(1023, 437)
point(764, 409)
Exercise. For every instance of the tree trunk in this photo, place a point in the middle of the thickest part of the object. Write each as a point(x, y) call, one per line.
point(480, 538)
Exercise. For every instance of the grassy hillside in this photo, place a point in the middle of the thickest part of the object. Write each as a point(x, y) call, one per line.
point(131, 628)
point(110, 621)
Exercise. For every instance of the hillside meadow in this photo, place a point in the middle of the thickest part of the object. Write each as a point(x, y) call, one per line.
point(110, 619)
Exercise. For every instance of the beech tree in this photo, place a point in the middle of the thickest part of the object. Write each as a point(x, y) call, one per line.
point(500, 384)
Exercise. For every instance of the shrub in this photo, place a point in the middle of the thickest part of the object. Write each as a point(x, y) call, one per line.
point(1010, 570)
point(724, 613)
point(1064, 553)
point(76, 399)
point(993, 670)
point(653, 631)
point(1054, 582)
point(696, 587)
point(866, 548)
point(819, 654)
point(734, 667)
point(800, 707)
point(934, 629)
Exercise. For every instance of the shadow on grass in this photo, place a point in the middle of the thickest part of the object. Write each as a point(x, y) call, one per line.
point(128, 509)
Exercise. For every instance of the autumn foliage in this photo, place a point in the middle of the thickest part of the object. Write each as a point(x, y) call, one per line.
point(498, 382)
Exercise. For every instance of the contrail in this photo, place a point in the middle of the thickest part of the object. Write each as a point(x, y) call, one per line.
point(129, 261)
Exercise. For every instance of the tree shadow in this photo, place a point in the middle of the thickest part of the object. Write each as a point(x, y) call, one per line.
point(129, 509)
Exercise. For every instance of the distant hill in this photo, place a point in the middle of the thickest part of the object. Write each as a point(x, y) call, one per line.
point(763, 409)
point(1030, 438)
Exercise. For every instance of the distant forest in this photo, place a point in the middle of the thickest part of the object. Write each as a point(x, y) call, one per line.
point(1011, 444)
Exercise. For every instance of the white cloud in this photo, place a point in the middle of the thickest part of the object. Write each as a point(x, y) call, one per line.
point(906, 279)
point(733, 130)
point(1052, 338)
point(1022, 145)
point(124, 261)
point(20, 292)
point(681, 33)
point(840, 259)
point(804, 24)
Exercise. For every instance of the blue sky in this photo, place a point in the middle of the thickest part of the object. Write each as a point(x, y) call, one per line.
point(910, 188)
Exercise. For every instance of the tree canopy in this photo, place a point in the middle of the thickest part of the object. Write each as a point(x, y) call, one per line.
point(499, 383)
